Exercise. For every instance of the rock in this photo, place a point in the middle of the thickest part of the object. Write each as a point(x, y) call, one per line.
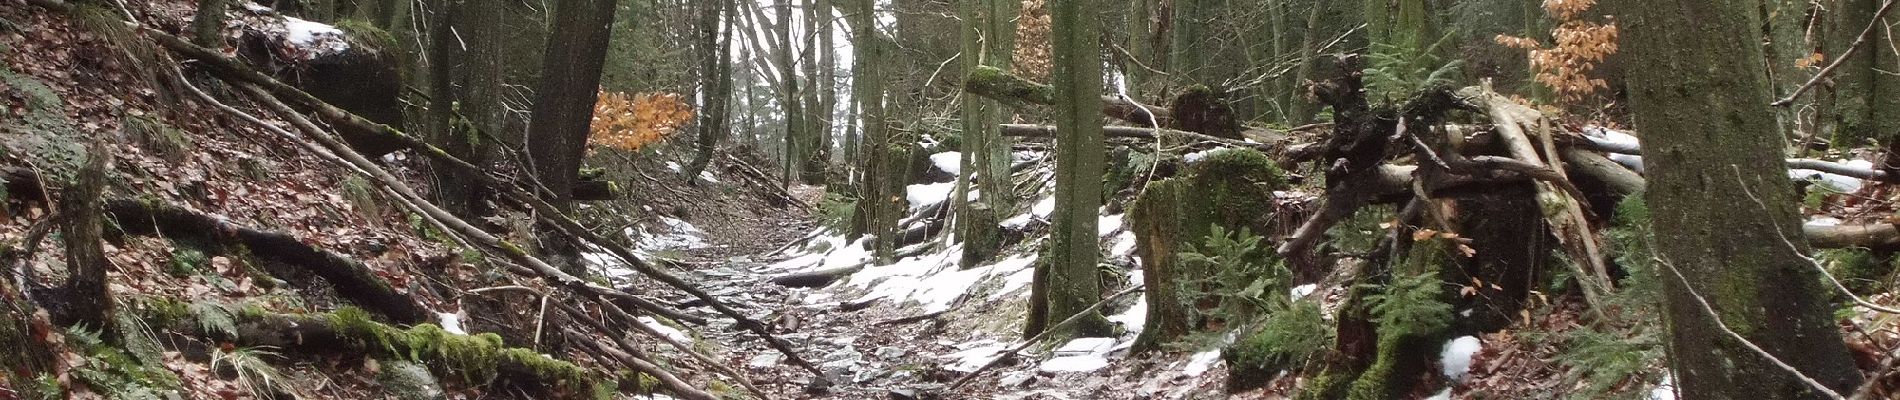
point(868, 374)
point(888, 352)
point(1085, 346)
point(903, 394)
point(1016, 379)
point(765, 360)
point(408, 380)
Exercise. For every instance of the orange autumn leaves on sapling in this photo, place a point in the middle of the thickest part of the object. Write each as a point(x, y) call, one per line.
point(1581, 44)
point(628, 122)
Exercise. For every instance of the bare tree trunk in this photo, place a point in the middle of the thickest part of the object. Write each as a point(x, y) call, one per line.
point(564, 100)
point(1700, 96)
point(988, 40)
point(86, 300)
point(465, 107)
point(1073, 281)
point(207, 28)
point(716, 52)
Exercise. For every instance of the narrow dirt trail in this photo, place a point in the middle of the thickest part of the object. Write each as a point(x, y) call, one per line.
point(938, 329)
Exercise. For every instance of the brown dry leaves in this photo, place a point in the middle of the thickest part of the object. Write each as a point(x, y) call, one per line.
point(1566, 66)
point(629, 122)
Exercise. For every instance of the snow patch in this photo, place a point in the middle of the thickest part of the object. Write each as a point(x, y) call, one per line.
point(451, 322)
point(1302, 291)
point(1456, 357)
point(928, 194)
point(1124, 245)
point(974, 354)
point(315, 38)
point(1082, 363)
point(1822, 222)
point(1201, 362)
point(680, 235)
point(1839, 183)
point(668, 331)
point(1191, 158)
point(949, 161)
point(675, 166)
point(1665, 390)
point(1135, 318)
point(708, 177)
point(1109, 224)
point(1043, 208)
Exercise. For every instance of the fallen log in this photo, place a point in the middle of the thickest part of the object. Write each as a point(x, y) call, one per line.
point(474, 359)
point(1635, 149)
point(1017, 92)
point(353, 280)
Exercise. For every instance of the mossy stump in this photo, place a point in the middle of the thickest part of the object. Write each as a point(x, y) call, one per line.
point(1232, 188)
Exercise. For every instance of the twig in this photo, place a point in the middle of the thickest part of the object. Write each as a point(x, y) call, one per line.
point(1006, 354)
point(1840, 59)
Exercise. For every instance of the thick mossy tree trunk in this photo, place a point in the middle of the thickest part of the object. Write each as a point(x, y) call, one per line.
point(1700, 97)
point(715, 58)
point(1073, 282)
point(989, 34)
point(465, 109)
point(564, 100)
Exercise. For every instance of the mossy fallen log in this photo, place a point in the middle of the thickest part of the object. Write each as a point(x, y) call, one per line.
point(477, 360)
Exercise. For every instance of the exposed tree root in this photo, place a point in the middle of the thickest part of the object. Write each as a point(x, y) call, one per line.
point(353, 280)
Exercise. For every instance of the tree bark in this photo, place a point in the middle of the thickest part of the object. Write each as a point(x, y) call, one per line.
point(716, 52)
point(564, 100)
point(207, 28)
point(988, 38)
point(86, 299)
point(1073, 281)
point(465, 107)
point(1700, 97)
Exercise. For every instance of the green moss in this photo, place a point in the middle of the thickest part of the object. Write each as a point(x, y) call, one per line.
point(186, 262)
point(366, 34)
point(1007, 88)
point(1291, 335)
point(1859, 269)
point(566, 375)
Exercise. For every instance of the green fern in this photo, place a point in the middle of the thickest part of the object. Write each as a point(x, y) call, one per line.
point(1242, 276)
point(1398, 71)
point(253, 370)
point(1411, 305)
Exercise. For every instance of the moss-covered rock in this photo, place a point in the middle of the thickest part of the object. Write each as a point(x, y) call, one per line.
point(409, 380)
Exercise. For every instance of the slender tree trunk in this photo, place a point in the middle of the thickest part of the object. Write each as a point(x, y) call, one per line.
point(207, 28)
point(465, 96)
point(1073, 280)
point(789, 96)
point(875, 211)
point(716, 50)
point(988, 37)
point(817, 158)
point(1700, 97)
